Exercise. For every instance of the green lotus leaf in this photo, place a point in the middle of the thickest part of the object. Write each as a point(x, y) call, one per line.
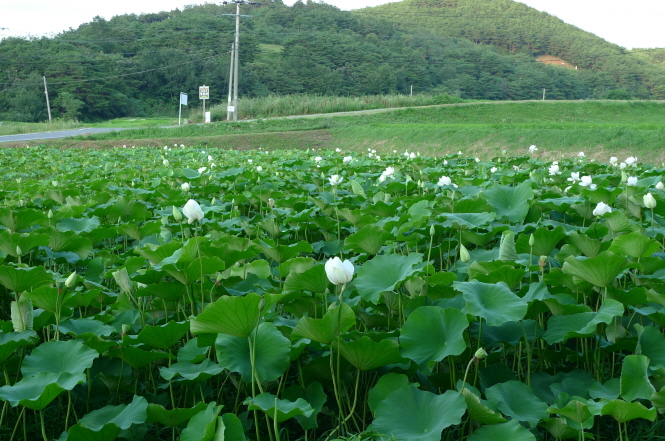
point(324, 330)
point(634, 245)
point(156, 413)
point(314, 395)
point(384, 272)
point(313, 280)
point(431, 333)
point(600, 271)
point(369, 239)
point(194, 269)
point(468, 220)
point(411, 414)
point(280, 410)
point(365, 354)
point(622, 411)
point(282, 253)
point(236, 316)
point(518, 401)
point(559, 428)
point(9, 242)
point(562, 327)
point(480, 412)
point(493, 302)
point(192, 352)
point(156, 254)
point(137, 357)
point(169, 291)
point(545, 241)
point(202, 426)
point(575, 410)
point(230, 426)
point(164, 336)
point(78, 225)
point(79, 327)
point(610, 390)
point(56, 357)
point(386, 385)
point(196, 372)
point(507, 251)
point(651, 343)
point(635, 382)
point(512, 202)
point(512, 430)
point(588, 246)
point(24, 279)
point(38, 391)
point(11, 341)
point(69, 241)
point(21, 219)
point(272, 353)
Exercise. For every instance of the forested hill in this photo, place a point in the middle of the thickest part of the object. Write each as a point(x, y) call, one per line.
point(138, 64)
point(518, 28)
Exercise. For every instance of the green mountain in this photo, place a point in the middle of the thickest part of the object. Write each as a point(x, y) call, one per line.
point(476, 49)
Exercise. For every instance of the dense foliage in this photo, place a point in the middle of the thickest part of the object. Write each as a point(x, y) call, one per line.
point(134, 65)
point(143, 289)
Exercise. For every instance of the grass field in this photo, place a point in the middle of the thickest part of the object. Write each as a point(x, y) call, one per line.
point(600, 129)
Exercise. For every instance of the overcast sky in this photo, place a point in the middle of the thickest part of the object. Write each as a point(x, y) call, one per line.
point(639, 26)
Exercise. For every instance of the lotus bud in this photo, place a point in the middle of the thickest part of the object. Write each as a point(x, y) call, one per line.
point(71, 280)
point(126, 328)
point(271, 202)
point(339, 272)
point(432, 230)
point(649, 201)
point(624, 177)
point(219, 278)
point(262, 303)
point(19, 251)
point(464, 254)
point(660, 186)
point(177, 214)
point(214, 201)
point(480, 354)
point(532, 240)
point(49, 214)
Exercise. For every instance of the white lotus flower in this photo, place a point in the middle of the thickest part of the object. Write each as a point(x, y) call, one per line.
point(445, 162)
point(318, 159)
point(202, 169)
point(586, 181)
point(477, 159)
point(185, 186)
point(209, 158)
point(347, 159)
point(389, 172)
point(622, 165)
point(338, 150)
point(339, 272)
point(335, 179)
point(249, 161)
point(649, 201)
point(259, 169)
point(412, 155)
point(601, 209)
point(378, 158)
point(533, 148)
point(574, 177)
point(493, 169)
point(660, 186)
point(632, 181)
point(165, 162)
point(444, 180)
point(613, 160)
point(192, 211)
point(554, 169)
point(581, 155)
point(382, 178)
point(631, 160)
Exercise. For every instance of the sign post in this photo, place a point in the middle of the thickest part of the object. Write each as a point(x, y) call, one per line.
point(183, 102)
point(204, 94)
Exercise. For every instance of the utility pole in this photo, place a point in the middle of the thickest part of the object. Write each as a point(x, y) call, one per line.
point(235, 60)
point(544, 94)
point(48, 105)
point(228, 104)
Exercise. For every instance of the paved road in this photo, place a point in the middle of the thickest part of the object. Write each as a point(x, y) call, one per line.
point(56, 135)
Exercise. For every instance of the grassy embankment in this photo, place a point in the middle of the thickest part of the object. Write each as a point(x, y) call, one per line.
point(600, 129)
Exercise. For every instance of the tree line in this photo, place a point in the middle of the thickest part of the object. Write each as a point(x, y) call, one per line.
point(136, 65)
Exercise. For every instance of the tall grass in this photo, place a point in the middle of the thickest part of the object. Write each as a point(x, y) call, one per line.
point(269, 106)
point(18, 128)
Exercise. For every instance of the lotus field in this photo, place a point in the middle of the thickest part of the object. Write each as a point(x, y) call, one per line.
point(176, 293)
